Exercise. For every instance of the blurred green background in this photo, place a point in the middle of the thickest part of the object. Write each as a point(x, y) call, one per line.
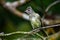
point(11, 23)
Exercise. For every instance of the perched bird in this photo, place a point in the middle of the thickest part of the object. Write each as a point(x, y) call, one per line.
point(33, 17)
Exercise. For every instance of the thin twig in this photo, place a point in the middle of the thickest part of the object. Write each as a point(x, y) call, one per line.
point(51, 5)
point(39, 35)
point(2, 34)
point(38, 29)
point(30, 32)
